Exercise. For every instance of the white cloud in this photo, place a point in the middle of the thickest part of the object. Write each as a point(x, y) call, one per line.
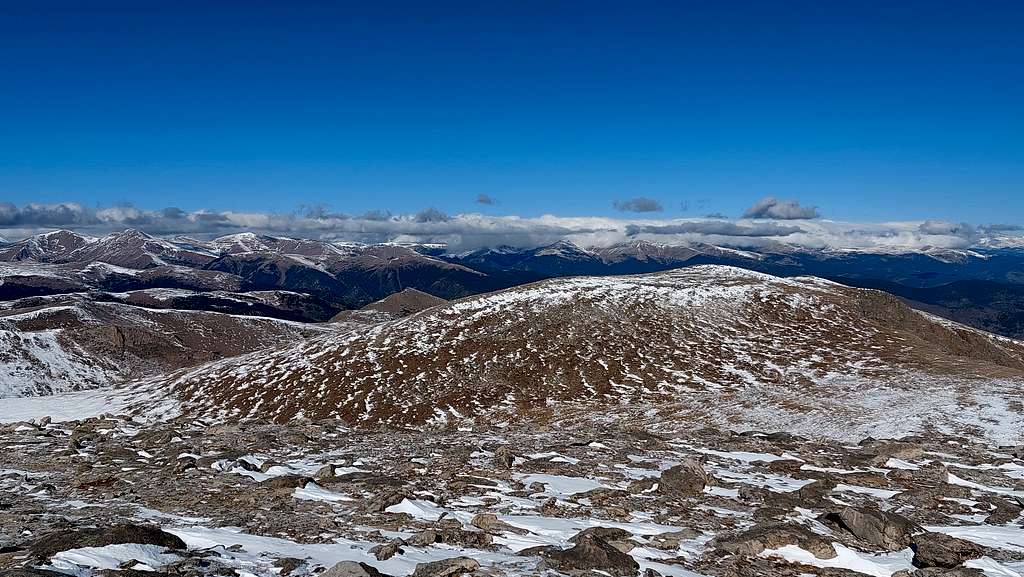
point(469, 231)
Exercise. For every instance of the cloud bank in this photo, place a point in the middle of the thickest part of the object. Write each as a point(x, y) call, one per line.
point(471, 231)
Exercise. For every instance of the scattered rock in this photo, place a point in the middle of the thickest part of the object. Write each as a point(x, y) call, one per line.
point(941, 550)
point(29, 572)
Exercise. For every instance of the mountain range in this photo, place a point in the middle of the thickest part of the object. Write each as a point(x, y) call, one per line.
point(81, 312)
point(979, 286)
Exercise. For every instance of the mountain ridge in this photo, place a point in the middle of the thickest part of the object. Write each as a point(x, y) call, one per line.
point(695, 330)
point(348, 276)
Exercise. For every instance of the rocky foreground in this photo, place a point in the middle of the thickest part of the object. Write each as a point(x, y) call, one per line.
point(112, 497)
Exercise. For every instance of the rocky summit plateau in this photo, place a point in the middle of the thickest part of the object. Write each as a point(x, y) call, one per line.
point(253, 405)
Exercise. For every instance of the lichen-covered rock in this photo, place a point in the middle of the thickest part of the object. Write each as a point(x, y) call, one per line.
point(687, 479)
point(446, 567)
point(592, 554)
point(940, 550)
point(52, 543)
point(884, 529)
point(760, 538)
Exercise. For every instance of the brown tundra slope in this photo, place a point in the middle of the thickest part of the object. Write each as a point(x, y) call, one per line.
point(707, 341)
point(71, 342)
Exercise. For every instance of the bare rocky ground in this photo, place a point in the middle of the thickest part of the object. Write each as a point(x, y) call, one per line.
point(114, 497)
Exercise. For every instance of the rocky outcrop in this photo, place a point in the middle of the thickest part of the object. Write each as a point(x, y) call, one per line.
point(352, 569)
point(940, 550)
point(687, 479)
point(591, 554)
point(884, 529)
point(761, 538)
point(446, 567)
point(57, 541)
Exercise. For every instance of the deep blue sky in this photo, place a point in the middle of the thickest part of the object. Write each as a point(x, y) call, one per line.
point(869, 110)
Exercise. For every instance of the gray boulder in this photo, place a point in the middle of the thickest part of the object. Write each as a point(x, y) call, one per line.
point(352, 569)
point(754, 541)
point(446, 567)
point(52, 543)
point(287, 482)
point(941, 550)
point(884, 529)
point(687, 479)
point(592, 554)
point(941, 572)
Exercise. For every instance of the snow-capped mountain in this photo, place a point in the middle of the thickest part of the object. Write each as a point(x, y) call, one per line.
point(20, 280)
point(130, 249)
point(47, 247)
point(351, 275)
point(707, 332)
point(248, 242)
point(136, 249)
point(920, 268)
point(343, 275)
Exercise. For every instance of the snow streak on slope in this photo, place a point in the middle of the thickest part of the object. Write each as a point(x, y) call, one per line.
point(647, 339)
point(38, 363)
point(79, 345)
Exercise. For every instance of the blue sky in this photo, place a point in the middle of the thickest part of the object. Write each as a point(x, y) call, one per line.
point(868, 110)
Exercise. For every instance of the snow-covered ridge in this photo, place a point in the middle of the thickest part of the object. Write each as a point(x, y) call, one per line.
point(66, 246)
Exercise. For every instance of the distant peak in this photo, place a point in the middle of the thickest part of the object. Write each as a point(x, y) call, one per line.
point(60, 232)
point(131, 233)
